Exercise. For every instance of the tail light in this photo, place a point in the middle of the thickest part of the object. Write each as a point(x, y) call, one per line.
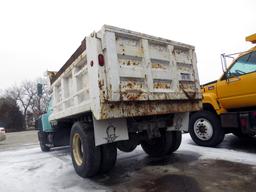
point(101, 59)
point(243, 123)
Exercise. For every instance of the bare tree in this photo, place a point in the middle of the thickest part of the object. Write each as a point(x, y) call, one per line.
point(40, 102)
point(24, 97)
point(29, 102)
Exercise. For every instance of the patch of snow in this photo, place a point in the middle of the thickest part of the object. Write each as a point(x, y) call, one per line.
point(31, 170)
point(216, 153)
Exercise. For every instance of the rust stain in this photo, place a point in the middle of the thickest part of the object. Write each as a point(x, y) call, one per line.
point(162, 85)
point(112, 106)
point(187, 89)
point(130, 62)
point(103, 94)
point(110, 91)
point(141, 108)
point(187, 85)
point(157, 66)
point(132, 85)
point(101, 84)
point(132, 95)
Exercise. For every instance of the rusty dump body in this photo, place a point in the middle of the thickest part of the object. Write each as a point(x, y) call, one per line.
point(140, 75)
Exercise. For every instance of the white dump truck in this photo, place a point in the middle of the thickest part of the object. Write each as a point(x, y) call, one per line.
point(118, 90)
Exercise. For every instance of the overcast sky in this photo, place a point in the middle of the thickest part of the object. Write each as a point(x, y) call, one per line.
point(40, 35)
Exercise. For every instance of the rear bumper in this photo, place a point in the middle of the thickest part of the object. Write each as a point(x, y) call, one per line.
point(146, 108)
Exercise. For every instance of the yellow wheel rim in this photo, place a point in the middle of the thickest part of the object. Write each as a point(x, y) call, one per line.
point(77, 149)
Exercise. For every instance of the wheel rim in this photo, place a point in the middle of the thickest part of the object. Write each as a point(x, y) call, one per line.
point(77, 149)
point(203, 129)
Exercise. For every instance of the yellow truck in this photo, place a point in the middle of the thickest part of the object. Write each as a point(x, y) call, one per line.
point(229, 104)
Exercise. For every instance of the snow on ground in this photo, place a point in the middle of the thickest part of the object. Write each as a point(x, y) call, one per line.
point(220, 153)
point(31, 170)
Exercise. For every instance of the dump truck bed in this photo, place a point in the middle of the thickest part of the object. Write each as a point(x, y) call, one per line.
point(120, 73)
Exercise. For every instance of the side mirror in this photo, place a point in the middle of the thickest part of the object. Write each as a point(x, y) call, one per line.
point(224, 76)
point(39, 89)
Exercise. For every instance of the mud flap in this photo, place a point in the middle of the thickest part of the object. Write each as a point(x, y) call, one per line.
point(180, 122)
point(110, 130)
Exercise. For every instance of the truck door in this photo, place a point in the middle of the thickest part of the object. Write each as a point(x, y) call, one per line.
point(238, 87)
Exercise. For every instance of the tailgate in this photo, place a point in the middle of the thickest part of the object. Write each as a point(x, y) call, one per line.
point(142, 67)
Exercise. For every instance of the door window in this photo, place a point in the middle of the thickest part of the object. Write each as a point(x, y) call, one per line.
point(243, 65)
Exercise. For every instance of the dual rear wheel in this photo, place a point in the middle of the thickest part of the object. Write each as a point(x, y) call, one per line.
point(88, 159)
point(164, 145)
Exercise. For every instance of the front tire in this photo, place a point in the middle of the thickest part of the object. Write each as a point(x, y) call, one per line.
point(205, 129)
point(86, 157)
point(42, 137)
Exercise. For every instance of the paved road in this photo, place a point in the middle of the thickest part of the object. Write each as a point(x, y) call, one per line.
point(231, 167)
point(19, 140)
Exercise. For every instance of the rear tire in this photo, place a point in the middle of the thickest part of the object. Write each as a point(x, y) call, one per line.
point(86, 157)
point(205, 129)
point(160, 146)
point(108, 157)
point(176, 141)
point(42, 137)
point(126, 146)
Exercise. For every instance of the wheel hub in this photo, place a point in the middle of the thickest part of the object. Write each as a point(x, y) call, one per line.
point(203, 129)
point(77, 149)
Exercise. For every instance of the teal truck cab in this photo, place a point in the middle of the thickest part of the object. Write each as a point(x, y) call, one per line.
point(48, 135)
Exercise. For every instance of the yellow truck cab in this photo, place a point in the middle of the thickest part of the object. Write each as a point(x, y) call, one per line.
point(229, 104)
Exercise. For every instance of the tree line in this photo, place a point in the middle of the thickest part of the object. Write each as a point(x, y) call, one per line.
point(20, 105)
